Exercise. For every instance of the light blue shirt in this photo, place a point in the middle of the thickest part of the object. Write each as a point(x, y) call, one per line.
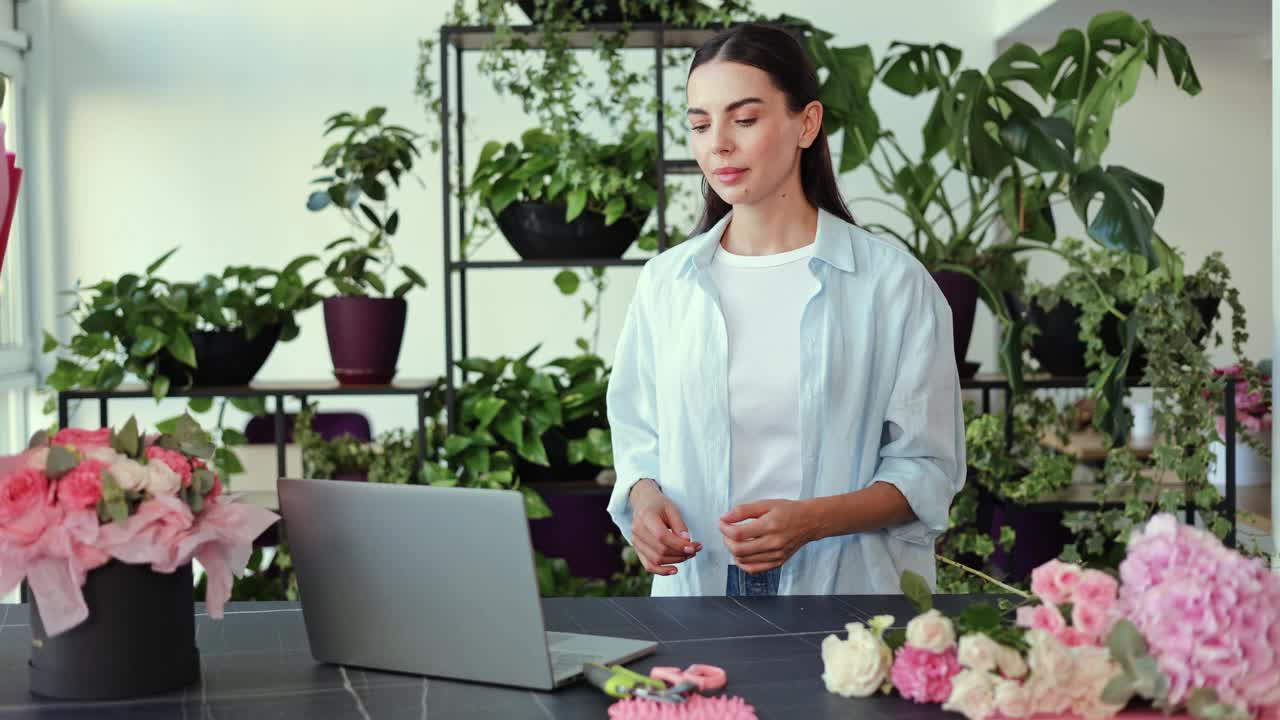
point(879, 401)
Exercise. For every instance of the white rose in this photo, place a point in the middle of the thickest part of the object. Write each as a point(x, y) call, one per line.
point(978, 652)
point(858, 666)
point(1093, 670)
point(1010, 662)
point(162, 480)
point(104, 455)
point(972, 694)
point(129, 475)
point(1052, 673)
point(931, 631)
point(1012, 699)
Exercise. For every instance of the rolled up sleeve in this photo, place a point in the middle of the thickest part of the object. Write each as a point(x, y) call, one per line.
point(922, 450)
point(631, 405)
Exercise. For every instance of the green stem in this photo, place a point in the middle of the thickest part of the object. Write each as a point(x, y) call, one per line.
point(984, 576)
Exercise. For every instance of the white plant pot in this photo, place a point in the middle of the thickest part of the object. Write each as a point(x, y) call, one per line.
point(1251, 468)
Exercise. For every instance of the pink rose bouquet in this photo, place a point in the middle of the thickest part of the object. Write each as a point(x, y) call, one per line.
point(73, 502)
point(1189, 624)
point(1253, 409)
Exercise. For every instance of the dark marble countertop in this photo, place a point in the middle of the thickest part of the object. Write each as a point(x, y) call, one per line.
point(257, 664)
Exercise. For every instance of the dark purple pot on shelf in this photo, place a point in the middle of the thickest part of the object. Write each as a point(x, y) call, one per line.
point(961, 292)
point(364, 338)
point(139, 639)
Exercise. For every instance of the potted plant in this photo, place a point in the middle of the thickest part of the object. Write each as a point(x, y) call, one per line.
point(365, 318)
point(547, 212)
point(103, 526)
point(1012, 161)
point(216, 331)
point(1252, 425)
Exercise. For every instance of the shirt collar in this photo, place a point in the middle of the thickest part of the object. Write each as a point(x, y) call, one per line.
point(833, 243)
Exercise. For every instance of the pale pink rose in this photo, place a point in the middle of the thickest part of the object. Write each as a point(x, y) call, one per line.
point(1096, 589)
point(972, 694)
point(162, 480)
point(81, 488)
point(24, 497)
point(104, 455)
point(1054, 581)
point(931, 631)
point(83, 439)
point(38, 458)
point(1045, 617)
point(1047, 657)
point(174, 459)
point(978, 652)
point(1010, 663)
point(1012, 699)
point(129, 475)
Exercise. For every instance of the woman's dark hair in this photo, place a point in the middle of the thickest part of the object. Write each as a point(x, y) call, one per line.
point(776, 52)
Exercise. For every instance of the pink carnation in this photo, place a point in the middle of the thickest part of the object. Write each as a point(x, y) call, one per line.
point(923, 676)
point(1211, 616)
point(1097, 590)
point(174, 459)
point(81, 488)
point(1046, 617)
point(1054, 581)
point(83, 439)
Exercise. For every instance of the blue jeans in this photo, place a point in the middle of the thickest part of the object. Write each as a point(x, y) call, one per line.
point(745, 584)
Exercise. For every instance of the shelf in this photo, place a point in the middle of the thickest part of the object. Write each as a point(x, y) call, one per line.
point(1038, 382)
point(641, 35)
point(682, 167)
point(264, 389)
point(582, 262)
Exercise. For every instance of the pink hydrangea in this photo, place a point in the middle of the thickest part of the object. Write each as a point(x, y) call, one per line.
point(174, 459)
point(1211, 616)
point(923, 676)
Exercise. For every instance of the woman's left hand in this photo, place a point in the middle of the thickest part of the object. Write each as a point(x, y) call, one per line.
point(777, 529)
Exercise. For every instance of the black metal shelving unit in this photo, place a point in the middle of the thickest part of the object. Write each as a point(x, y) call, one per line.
point(656, 37)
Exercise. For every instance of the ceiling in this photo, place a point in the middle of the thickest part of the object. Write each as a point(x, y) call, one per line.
point(1172, 17)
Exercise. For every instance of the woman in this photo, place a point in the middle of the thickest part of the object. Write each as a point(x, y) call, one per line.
point(784, 399)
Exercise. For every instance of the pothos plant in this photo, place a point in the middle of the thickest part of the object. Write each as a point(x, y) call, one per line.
point(369, 159)
point(1157, 304)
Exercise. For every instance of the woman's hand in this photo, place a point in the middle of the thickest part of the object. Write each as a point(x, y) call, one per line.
point(658, 533)
point(777, 529)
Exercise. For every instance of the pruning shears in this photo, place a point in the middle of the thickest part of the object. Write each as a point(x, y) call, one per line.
point(619, 682)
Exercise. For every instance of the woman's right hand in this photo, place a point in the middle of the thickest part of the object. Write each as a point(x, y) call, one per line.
point(658, 533)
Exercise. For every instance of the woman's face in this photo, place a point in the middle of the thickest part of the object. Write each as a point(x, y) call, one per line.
point(744, 137)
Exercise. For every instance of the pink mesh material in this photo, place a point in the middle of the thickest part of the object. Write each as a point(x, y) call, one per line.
point(698, 707)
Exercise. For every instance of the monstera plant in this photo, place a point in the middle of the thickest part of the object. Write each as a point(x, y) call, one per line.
point(1001, 146)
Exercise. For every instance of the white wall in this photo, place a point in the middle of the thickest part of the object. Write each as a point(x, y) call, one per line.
point(1210, 152)
point(198, 124)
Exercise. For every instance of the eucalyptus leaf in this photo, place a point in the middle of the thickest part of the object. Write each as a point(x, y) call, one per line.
point(59, 462)
point(916, 590)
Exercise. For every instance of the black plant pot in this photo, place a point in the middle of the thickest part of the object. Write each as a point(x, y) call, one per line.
point(538, 231)
point(223, 358)
point(1060, 351)
point(139, 639)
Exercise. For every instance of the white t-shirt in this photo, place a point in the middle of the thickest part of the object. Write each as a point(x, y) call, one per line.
point(762, 298)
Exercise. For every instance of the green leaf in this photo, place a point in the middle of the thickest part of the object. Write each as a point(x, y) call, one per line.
point(490, 149)
point(200, 404)
point(1126, 644)
point(534, 506)
point(916, 589)
point(128, 440)
point(50, 343)
point(60, 462)
point(510, 426)
point(252, 405)
point(1118, 691)
point(455, 444)
point(149, 342)
point(39, 438)
point(614, 210)
point(374, 115)
point(159, 387)
point(980, 617)
point(1130, 203)
point(393, 222)
point(413, 276)
point(318, 200)
point(533, 451)
point(486, 409)
point(577, 201)
point(202, 480)
point(168, 426)
point(113, 499)
point(503, 193)
point(199, 447)
point(1047, 143)
point(154, 266)
point(568, 281)
point(181, 348)
point(577, 451)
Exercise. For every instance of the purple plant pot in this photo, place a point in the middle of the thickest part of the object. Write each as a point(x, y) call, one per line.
point(364, 338)
point(961, 292)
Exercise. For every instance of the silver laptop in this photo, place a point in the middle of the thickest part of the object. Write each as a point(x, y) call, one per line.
point(431, 581)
